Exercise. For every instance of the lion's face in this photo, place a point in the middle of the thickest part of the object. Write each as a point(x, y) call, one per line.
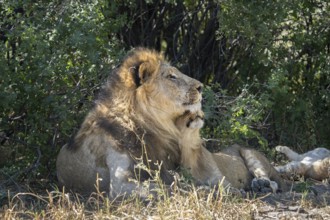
point(179, 88)
point(160, 91)
point(172, 92)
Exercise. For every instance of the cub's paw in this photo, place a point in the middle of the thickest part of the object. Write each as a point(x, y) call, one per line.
point(282, 149)
point(196, 122)
point(190, 120)
point(264, 185)
point(281, 169)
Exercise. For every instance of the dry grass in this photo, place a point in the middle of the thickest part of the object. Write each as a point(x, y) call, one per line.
point(193, 204)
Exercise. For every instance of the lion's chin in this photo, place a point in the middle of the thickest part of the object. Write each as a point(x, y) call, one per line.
point(194, 107)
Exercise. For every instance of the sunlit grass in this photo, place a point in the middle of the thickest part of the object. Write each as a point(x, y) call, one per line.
point(190, 204)
point(184, 202)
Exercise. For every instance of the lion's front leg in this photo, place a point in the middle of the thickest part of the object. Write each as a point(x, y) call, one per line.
point(194, 156)
point(122, 178)
point(266, 179)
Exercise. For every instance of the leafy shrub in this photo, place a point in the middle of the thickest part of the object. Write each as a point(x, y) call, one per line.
point(55, 55)
point(239, 119)
point(283, 56)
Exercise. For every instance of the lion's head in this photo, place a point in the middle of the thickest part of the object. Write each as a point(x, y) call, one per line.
point(147, 86)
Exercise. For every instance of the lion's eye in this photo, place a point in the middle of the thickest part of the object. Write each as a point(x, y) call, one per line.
point(172, 76)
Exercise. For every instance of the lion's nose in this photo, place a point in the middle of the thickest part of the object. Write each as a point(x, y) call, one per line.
point(199, 88)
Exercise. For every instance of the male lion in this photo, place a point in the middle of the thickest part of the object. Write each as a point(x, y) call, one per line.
point(149, 111)
point(313, 164)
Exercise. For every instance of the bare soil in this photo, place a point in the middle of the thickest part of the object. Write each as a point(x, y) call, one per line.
point(310, 204)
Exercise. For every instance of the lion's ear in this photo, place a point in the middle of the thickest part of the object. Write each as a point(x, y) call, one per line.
point(146, 71)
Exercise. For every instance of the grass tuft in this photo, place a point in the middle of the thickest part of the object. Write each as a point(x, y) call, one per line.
point(195, 203)
point(188, 202)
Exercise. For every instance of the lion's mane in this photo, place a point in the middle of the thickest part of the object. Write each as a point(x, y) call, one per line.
point(132, 120)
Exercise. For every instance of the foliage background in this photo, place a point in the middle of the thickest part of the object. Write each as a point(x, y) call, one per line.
point(266, 67)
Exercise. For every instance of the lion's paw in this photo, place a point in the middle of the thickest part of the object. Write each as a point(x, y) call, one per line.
point(264, 185)
point(282, 149)
point(190, 120)
point(198, 122)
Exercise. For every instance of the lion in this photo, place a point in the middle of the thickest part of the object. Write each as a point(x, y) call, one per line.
point(314, 164)
point(149, 112)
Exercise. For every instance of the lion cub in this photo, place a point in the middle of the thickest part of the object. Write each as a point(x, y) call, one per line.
point(314, 164)
point(241, 168)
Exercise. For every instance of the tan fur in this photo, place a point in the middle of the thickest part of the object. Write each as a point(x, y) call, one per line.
point(313, 164)
point(237, 166)
point(132, 122)
point(148, 112)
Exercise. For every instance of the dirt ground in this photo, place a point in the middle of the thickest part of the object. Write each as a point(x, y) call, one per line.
point(311, 204)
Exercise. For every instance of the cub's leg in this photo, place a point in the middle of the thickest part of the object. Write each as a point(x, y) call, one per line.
point(290, 154)
point(318, 170)
point(310, 156)
point(294, 167)
point(266, 177)
point(312, 164)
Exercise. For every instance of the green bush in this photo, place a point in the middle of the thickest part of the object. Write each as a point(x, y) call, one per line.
point(283, 54)
point(236, 119)
point(54, 57)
